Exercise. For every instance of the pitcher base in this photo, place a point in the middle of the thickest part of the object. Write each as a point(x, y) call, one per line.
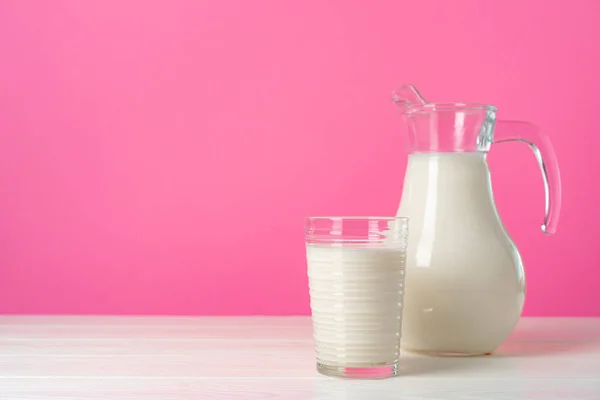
point(438, 353)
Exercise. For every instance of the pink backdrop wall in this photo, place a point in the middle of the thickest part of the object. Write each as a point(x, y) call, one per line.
point(158, 156)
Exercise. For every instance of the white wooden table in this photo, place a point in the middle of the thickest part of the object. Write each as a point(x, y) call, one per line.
point(257, 358)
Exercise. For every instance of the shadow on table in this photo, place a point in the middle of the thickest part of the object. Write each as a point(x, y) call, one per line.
point(513, 348)
point(427, 365)
point(537, 339)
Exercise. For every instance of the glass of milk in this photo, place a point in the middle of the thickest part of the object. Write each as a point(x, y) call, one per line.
point(356, 268)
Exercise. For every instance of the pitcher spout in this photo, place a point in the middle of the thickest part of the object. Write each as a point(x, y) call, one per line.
point(406, 96)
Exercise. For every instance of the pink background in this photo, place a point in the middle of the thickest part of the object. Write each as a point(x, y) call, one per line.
point(158, 156)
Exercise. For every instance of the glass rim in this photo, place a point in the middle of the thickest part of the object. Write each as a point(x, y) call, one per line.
point(354, 218)
point(436, 107)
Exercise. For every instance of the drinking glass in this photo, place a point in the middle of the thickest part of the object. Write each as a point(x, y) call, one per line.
point(356, 268)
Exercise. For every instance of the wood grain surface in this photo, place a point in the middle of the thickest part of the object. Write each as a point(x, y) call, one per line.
point(273, 358)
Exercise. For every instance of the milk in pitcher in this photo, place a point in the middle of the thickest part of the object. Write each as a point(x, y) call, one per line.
point(465, 284)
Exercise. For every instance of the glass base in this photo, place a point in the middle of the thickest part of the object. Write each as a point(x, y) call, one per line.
point(379, 372)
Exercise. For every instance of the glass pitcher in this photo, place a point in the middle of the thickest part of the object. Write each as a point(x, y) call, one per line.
point(465, 283)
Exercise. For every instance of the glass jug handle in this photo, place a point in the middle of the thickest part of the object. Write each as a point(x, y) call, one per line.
point(530, 134)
